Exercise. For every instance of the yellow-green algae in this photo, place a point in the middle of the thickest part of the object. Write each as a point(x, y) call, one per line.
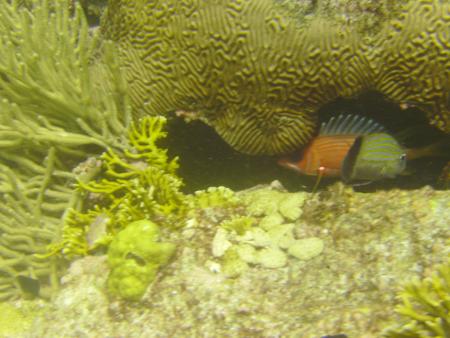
point(258, 74)
point(135, 255)
point(139, 183)
point(14, 320)
point(425, 307)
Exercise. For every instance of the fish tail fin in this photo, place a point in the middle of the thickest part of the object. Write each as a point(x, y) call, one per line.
point(437, 149)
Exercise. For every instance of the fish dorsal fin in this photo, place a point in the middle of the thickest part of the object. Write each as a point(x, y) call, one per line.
point(348, 124)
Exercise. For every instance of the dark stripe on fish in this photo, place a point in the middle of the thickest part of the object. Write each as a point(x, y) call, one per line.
point(350, 159)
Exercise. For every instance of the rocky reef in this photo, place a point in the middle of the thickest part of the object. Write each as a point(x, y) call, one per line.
point(85, 186)
point(369, 247)
point(258, 72)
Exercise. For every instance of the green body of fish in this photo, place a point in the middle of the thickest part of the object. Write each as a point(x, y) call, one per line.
point(373, 157)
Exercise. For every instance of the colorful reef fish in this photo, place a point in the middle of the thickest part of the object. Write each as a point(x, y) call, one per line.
point(355, 148)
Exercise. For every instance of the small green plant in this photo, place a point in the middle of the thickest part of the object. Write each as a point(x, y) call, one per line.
point(425, 309)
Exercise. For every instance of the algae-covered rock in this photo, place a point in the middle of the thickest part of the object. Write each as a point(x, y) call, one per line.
point(233, 265)
point(14, 321)
point(135, 256)
point(371, 246)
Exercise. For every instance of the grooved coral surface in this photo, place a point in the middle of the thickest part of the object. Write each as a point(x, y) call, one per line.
point(258, 73)
point(412, 60)
point(244, 67)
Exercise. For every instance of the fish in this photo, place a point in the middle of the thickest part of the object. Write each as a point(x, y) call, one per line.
point(379, 156)
point(358, 150)
point(373, 157)
point(324, 155)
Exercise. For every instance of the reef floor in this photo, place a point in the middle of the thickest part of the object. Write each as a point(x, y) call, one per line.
point(371, 243)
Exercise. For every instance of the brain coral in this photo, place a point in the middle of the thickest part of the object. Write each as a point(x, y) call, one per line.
point(258, 75)
point(412, 59)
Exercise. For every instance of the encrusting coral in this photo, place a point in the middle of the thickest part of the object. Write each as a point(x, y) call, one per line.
point(264, 234)
point(258, 74)
point(61, 101)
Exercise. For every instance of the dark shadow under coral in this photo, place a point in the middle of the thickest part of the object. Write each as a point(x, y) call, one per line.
point(206, 160)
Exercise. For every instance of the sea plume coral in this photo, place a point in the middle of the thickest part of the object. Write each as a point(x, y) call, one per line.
point(60, 102)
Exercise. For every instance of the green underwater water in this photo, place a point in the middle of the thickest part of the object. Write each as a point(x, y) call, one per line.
point(243, 247)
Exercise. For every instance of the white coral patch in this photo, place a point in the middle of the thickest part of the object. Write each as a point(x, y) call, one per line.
point(307, 248)
point(271, 258)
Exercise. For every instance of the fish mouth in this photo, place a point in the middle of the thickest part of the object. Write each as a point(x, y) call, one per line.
point(286, 163)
